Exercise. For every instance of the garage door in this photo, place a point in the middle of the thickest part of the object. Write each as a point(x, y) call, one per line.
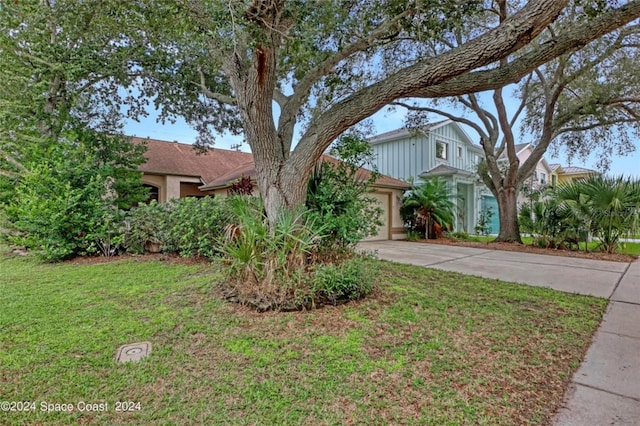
point(383, 201)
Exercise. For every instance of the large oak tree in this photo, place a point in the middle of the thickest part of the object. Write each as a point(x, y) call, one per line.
point(262, 67)
point(329, 65)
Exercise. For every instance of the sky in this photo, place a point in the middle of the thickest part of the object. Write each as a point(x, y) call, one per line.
point(383, 121)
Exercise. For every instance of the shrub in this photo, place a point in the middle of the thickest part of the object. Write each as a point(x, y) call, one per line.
point(268, 267)
point(195, 225)
point(338, 196)
point(146, 225)
point(463, 236)
point(413, 235)
point(348, 280)
point(242, 186)
point(67, 200)
point(609, 207)
point(279, 268)
point(484, 221)
point(185, 226)
point(547, 222)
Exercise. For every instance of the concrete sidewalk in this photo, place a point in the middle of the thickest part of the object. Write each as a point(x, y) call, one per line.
point(606, 388)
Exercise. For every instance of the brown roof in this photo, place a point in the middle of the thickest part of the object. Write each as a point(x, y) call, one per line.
point(173, 158)
point(249, 170)
point(217, 168)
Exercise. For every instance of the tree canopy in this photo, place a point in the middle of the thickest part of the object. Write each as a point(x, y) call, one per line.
point(260, 68)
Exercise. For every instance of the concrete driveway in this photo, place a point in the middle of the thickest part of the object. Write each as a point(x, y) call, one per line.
point(573, 275)
point(605, 390)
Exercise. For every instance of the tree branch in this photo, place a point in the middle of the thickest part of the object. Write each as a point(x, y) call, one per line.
point(280, 98)
point(11, 160)
point(224, 99)
point(523, 102)
point(595, 125)
point(516, 32)
point(576, 38)
point(452, 117)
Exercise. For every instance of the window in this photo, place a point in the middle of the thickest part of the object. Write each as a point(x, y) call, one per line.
point(154, 193)
point(441, 150)
point(554, 180)
point(459, 152)
point(543, 178)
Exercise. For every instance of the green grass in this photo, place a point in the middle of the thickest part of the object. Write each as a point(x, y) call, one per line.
point(632, 249)
point(629, 248)
point(428, 347)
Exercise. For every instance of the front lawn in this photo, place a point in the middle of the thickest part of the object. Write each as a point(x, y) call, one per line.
point(625, 248)
point(428, 347)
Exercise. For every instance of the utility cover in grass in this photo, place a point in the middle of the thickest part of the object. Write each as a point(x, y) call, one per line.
point(133, 352)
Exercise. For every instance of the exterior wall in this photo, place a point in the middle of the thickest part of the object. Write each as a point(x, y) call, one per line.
point(392, 227)
point(173, 187)
point(564, 178)
point(401, 158)
point(159, 182)
point(170, 186)
point(397, 225)
point(460, 154)
point(412, 155)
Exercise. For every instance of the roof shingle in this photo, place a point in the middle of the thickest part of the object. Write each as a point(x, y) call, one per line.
point(173, 158)
point(217, 168)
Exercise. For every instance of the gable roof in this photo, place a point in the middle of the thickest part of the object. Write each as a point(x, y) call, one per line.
point(573, 170)
point(519, 147)
point(404, 132)
point(173, 158)
point(446, 170)
point(218, 168)
point(249, 170)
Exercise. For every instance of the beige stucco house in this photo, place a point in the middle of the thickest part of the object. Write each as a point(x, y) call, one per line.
point(176, 170)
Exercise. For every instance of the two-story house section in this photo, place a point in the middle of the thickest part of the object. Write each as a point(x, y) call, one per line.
point(440, 149)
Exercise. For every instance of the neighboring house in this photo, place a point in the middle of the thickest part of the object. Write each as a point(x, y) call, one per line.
point(441, 149)
point(542, 175)
point(570, 173)
point(176, 170)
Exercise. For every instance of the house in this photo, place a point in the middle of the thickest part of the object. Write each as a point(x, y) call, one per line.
point(542, 175)
point(176, 170)
point(440, 149)
point(569, 174)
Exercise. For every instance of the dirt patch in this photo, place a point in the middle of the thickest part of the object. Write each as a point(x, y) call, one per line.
point(616, 257)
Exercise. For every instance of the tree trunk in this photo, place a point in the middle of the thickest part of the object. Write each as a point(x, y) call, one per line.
point(508, 213)
point(281, 187)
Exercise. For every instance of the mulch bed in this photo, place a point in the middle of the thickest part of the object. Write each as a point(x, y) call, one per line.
point(616, 257)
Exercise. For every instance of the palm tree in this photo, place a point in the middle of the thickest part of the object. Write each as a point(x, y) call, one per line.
point(610, 206)
point(430, 203)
